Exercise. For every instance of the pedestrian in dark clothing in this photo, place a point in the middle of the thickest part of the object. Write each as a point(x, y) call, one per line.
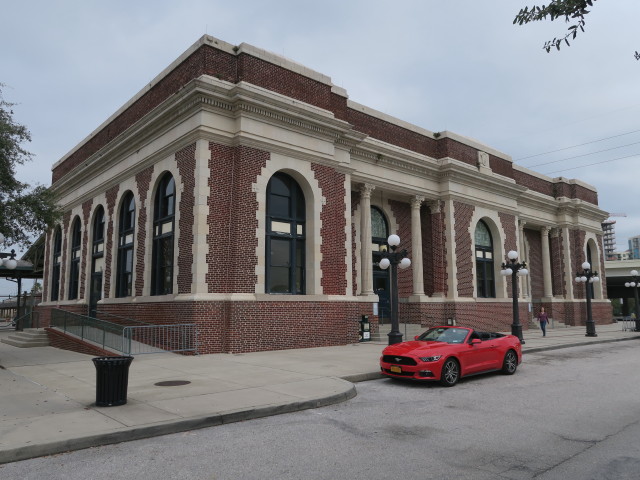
point(543, 319)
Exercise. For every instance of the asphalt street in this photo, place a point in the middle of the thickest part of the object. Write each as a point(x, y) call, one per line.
point(566, 414)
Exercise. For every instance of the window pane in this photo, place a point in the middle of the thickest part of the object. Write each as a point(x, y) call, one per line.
point(280, 256)
point(482, 235)
point(281, 227)
point(279, 280)
point(279, 206)
point(278, 186)
point(378, 224)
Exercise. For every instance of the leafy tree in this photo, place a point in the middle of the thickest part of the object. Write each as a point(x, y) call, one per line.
point(25, 211)
point(571, 10)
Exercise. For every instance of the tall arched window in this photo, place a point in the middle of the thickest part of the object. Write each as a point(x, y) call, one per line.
point(126, 232)
point(285, 259)
point(97, 261)
point(74, 266)
point(379, 235)
point(163, 237)
point(484, 261)
point(57, 258)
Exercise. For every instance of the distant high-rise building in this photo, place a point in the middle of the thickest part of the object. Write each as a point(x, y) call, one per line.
point(634, 247)
point(609, 239)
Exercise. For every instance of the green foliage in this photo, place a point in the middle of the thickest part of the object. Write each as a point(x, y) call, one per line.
point(25, 211)
point(571, 10)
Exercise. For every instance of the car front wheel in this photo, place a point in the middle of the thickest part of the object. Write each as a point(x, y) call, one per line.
point(450, 373)
point(510, 363)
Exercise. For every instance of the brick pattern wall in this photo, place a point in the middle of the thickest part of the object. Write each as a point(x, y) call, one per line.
point(186, 162)
point(143, 182)
point(577, 254)
point(332, 232)
point(464, 243)
point(393, 134)
point(86, 228)
point(66, 219)
point(558, 269)
point(66, 342)
point(239, 327)
point(533, 183)
point(355, 202)
point(244, 67)
point(439, 258)
point(111, 194)
point(534, 262)
point(502, 167)
point(509, 227)
point(402, 214)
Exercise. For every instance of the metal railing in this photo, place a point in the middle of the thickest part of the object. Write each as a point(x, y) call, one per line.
point(142, 339)
point(28, 320)
point(127, 339)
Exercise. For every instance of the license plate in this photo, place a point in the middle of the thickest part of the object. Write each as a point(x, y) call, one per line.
point(395, 369)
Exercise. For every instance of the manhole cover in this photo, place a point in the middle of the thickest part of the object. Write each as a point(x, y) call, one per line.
point(172, 383)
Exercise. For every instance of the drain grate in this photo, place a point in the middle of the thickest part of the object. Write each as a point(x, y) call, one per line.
point(172, 383)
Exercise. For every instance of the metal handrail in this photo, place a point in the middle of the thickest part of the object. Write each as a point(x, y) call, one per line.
point(20, 321)
point(127, 339)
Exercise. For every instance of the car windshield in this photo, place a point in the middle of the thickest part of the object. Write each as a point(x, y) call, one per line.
point(447, 335)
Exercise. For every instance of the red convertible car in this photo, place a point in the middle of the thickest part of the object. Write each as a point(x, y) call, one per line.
point(446, 354)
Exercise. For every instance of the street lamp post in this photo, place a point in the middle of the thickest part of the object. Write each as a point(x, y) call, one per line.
point(635, 283)
point(515, 269)
point(587, 276)
point(394, 260)
point(8, 260)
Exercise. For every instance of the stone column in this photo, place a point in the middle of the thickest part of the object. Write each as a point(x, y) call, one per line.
point(366, 259)
point(416, 246)
point(546, 263)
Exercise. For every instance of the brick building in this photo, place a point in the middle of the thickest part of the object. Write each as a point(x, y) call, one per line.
point(247, 194)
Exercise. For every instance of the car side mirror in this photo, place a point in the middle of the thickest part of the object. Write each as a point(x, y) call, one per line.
point(475, 341)
point(416, 337)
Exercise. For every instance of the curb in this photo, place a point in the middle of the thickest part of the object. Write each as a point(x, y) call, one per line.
point(126, 435)
point(577, 344)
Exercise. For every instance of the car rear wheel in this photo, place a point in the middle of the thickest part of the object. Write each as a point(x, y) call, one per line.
point(510, 363)
point(450, 373)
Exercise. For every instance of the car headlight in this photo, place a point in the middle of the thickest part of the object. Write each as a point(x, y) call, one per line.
point(435, 358)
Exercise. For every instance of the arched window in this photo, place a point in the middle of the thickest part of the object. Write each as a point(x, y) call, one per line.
point(285, 240)
point(97, 261)
point(379, 235)
point(57, 258)
point(163, 237)
point(74, 267)
point(484, 261)
point(126, 232)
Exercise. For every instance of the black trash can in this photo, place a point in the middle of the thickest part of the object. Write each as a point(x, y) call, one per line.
point(112, 378)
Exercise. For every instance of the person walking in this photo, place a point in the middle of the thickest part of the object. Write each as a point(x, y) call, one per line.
point(543, 318)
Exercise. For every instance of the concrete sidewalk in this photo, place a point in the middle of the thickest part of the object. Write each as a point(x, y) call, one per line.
point(47, 395)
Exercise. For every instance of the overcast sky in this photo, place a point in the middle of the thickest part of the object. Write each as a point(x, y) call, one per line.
point(458, 65)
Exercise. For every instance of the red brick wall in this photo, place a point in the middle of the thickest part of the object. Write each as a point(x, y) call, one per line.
point(464, 243)
point(232, 256)
point(237, 327)
point(402, 215)
point(355, 202)
point(66, 219)
point(66, 342)
point(333, 231)
point(508, 222)
point(557, 261)
point(534, 262)
point(577, 254)
point(186, 162)
point(143, 182)
point(533, 183)
point(111, 195)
